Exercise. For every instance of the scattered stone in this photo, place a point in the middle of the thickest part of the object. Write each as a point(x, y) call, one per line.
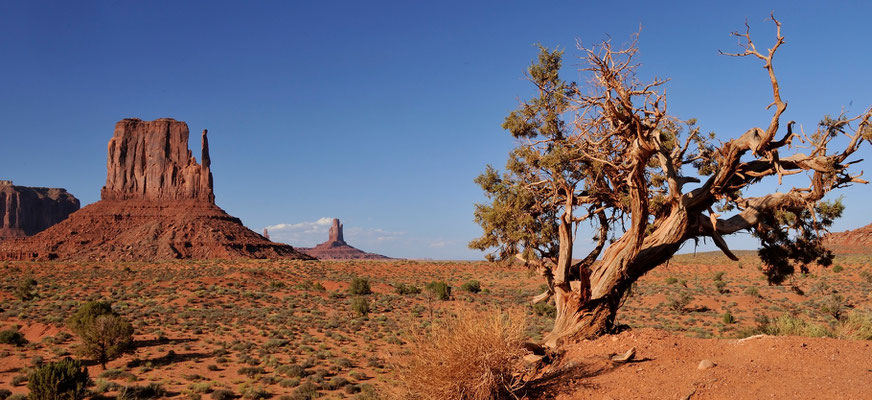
point(626, 357)
point(705, 364)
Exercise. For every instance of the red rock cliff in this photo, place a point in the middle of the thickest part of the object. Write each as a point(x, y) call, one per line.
point(26, 211)
point(150, 160)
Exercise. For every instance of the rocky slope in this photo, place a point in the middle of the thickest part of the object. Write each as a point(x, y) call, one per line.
point(335, 248)
point(854, 241)
point(157, 204)
point(26, 211)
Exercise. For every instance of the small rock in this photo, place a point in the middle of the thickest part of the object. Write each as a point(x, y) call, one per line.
point(532, 359)
point(626, 357)
point(705, 364)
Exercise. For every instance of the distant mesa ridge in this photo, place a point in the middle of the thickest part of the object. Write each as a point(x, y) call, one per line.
point(857, 241)
point(158, 203)
point(26, 211)
point(335, 248)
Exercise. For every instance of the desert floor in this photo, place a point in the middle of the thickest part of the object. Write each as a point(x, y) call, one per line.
point(274, 328)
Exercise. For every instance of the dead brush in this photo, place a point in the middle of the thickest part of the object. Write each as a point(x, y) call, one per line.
point(470, 356)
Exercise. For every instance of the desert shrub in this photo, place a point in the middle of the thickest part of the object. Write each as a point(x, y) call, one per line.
point(306, 391)
point(136, 392)
point(336, 382)
point(5, 393)
point(833, 305)
point(439, 290)
point(66, 379)
point(251, 372)
point(721, 287)
point(752, 291)
point(671, 280)
point(718, 276)
point(17, 380)
point(360, 306)
point(471, 286)
point(253, 392)
point(545, 309)
point(866, 275)
point(359, 286)
point(838, 268)
point(472, 355)
point(291, 370)
point(222, 394)
point(26, 289)
point(14, 337)
point(104, 334)
point(680, 302)
point(728, 318)
point(201, 387)
point(403, 289)
point(17, 396)
point(791, 325)
point(856, 325)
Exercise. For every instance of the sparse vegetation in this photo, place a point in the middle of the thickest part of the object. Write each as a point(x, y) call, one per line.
point(439, 290)
point(103, 333)
point(359, 287)
point(66, 379)
point(469, 356)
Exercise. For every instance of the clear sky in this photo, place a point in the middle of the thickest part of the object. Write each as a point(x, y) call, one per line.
point(381, 113)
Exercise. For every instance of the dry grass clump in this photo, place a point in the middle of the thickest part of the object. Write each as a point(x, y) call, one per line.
point(470, 356)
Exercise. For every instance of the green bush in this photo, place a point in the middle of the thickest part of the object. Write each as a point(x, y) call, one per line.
point(838, 268)
point(545, 309)
point(680, 302)
point(136, 392)
point(26, 289)
point(360, 306)
point(471, 286)
point(222, 394)
point(12, 337)
point(728, 318)
point(104, 334)
point(359, 286)
point(752, 291)
point(66, 379)
point(403, 289)
point(439, 290)
point(671, 280)
point(5, 393)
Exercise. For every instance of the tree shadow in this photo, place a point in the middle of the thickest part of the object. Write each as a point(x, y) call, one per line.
point(570, 378)
point(168, 359)
point(159, 342)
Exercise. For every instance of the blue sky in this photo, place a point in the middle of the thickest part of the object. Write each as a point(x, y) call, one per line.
point(380, 113)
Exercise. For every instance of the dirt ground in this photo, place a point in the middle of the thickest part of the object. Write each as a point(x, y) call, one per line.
point(265, 329)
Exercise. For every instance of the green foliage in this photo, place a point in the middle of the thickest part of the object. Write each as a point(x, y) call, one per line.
point(545, 309)
point(833, 305)
point(680, 302)
point(671, 280)
point(752, 291)
point(838, 268)
point(360, 306)
point(63, 380)
point(796, 238)
point(223, 394)
point(5, 393)
point(403, 289)
point(104, 334)
point(26, 289)
point(728, 318)
point(136, 392)
point(14, 337)
point(471, 286)
point(439, 290)
point(359, 286)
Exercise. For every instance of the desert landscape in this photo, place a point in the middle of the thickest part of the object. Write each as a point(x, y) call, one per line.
point(603, 247)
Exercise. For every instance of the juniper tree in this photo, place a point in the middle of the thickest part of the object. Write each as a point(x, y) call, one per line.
point(608, 154)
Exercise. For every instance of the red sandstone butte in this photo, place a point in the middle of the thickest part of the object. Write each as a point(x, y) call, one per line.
point(157, 204)
point(26, 211)
point(851, 242)
point(335, 248)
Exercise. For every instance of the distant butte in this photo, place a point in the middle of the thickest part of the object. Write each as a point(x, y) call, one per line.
point(335, 248)
point(857, 241)
point(26, 211)
point(157, 204)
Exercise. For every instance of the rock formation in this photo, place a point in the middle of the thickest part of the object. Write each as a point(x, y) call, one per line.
point(157, 204)
point(26, 211)
point(335, 248)
point(857, 241)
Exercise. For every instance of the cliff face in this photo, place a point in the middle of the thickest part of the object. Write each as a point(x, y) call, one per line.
point(857, 241)
point(335, 248)
point(151, 160)
point(157, 204)
point(26, 211)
